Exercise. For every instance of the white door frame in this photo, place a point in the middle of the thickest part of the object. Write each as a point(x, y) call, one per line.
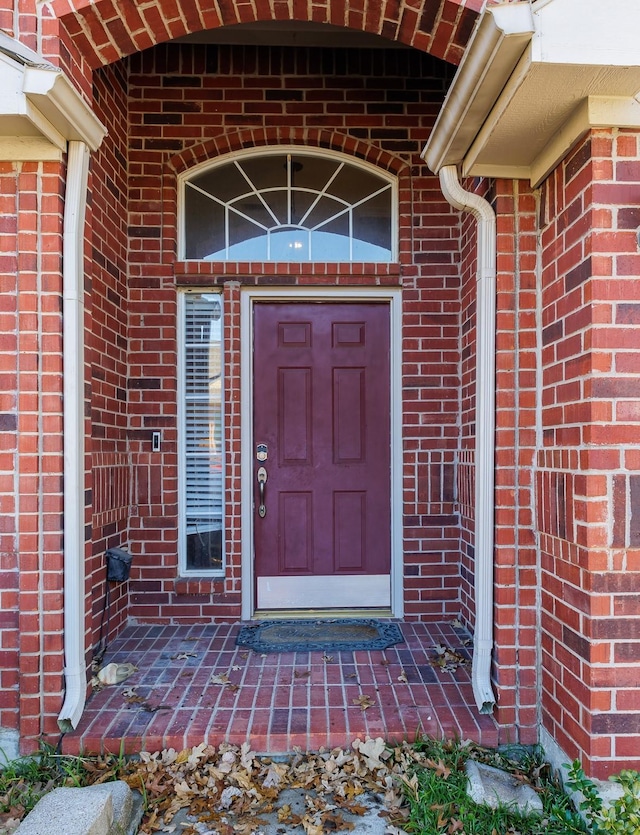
point(248, 297)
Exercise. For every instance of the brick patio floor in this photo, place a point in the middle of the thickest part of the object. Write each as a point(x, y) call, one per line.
point(276, 701)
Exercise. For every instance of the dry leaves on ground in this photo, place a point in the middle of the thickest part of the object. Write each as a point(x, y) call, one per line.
point(227, 788)
point(448, 659)
point(8, 823)
point(364, 701)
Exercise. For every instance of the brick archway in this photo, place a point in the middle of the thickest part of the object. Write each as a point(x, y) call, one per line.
point(228, 142)
point(86, 35)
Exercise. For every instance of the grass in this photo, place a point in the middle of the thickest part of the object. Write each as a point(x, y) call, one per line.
point(24, 781)
point(434, 786)
point(438, 802)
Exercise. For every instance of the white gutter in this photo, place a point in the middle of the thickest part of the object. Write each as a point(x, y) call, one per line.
point(55, 97)
point(75, 669)
point(496, 46)
point(485, 429)
point(494, 49)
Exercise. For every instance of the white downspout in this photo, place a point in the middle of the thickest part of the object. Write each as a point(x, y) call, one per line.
point(485, 428)
point(75, 671)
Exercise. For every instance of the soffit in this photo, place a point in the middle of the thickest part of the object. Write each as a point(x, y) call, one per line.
point(535, 77)
point(290, 33)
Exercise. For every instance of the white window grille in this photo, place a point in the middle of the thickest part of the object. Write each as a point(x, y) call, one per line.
point(294, 206)
point(202, 454)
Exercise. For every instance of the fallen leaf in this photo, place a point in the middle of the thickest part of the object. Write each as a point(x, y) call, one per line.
point(448, 659)
point(439, 767)
point(149, 708)
point(228, 795)
point(182, 656)
point(247, 756)
point(403, 677)
point(222, 678)
point(372, 750)
point(284, 813)
point(135, 699)
point(274, 776)
point(352, 808)
point(411, 785)
point(311, 827)
point(327, 658)
point(365, 702)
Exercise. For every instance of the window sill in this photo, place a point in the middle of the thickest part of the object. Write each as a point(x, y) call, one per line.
point(195, 272)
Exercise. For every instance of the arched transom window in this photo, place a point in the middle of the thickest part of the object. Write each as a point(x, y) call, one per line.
point(289, 206)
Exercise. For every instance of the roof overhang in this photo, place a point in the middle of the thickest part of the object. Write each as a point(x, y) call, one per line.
point(534, 78)
point(40, 110)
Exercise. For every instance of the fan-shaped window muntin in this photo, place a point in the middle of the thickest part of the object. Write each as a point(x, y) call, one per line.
point(288, 205)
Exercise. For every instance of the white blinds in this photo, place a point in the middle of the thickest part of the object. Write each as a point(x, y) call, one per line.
point(202, 426)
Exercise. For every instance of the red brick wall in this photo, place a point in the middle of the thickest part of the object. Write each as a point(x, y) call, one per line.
point(465, 472)
point(31, 447)
point(9, 453)
point(515, 595)
point(107, 347)
point(587, 479)
point(515, 558)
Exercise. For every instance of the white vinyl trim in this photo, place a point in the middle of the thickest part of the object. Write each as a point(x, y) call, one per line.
point(249, 296)
point(345, 591)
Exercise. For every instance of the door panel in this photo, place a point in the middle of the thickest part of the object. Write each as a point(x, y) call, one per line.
point(322, 408)
point(295, 533)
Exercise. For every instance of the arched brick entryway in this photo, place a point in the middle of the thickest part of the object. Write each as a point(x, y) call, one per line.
point(84, 37)
point(90, 35)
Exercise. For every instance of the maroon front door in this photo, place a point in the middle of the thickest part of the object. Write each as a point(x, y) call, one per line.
point(322, 471)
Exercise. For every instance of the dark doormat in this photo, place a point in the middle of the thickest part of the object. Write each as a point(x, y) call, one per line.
point(309, 635)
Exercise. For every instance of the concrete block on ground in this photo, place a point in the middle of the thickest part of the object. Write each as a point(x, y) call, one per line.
point(105, 809)
point(9, 746)
point(495, 788)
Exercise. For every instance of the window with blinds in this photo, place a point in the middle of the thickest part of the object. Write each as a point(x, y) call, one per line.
point(202, 477)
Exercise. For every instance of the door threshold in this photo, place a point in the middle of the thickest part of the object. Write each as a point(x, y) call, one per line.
point(325, 614)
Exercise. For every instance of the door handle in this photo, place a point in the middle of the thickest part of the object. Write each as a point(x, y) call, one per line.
point(262, 480)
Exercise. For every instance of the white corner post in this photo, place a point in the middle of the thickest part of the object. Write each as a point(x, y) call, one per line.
point(75, 673)
point(485, 428)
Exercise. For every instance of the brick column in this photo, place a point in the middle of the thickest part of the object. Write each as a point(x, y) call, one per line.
point(33, 460)
point(516, 637)
point(588, 479)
